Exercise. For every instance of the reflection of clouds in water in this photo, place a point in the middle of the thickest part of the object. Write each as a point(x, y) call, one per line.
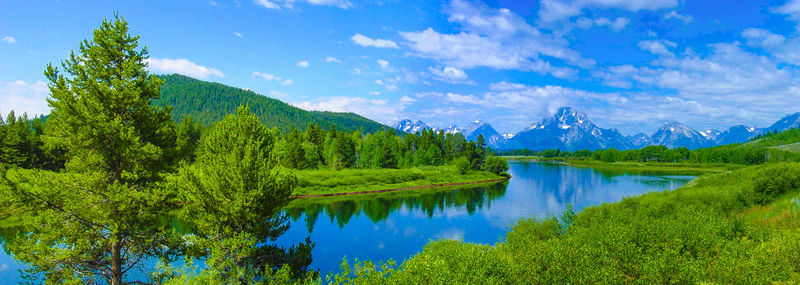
point(409, 231)
point(381, 245)
point(4, 267)
point(451, 233)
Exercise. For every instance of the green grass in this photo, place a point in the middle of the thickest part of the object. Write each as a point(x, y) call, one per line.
point(741, 226)
point(793, 147)
point(327, 181)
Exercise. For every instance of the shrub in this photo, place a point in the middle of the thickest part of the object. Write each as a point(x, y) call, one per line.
point(496, 165)
point(773, 180)
point(462, 164)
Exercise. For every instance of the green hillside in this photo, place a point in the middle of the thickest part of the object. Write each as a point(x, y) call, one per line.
point(208, 102)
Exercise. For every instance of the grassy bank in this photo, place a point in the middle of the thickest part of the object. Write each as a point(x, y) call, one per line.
point(328, 181)
point(741, 226)
point(638, 167)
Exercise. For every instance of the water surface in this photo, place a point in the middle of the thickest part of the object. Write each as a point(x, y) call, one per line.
point(397, 225)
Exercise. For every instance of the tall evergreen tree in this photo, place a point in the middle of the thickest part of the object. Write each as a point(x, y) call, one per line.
point(96, 219)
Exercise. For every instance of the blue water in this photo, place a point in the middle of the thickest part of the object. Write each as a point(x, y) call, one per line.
point(397, 225)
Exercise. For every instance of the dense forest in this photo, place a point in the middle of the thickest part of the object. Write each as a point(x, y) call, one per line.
point(208, 102)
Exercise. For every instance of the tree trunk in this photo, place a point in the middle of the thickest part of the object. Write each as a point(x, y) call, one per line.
point(116, 262)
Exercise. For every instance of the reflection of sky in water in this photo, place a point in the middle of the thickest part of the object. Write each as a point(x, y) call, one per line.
point(536, 189)
point(397, 225)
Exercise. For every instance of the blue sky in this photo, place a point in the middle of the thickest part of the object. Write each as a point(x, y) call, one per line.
point(631, 65)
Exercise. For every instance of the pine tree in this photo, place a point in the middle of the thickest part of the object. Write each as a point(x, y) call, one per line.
point(96, 219)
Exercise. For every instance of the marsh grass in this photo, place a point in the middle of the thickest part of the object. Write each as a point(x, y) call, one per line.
point(325, 181)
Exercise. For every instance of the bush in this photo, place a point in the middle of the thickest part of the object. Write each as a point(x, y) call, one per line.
point(496, 165)
point(462, 164)
point(774, 180)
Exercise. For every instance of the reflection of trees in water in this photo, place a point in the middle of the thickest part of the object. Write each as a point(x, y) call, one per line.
point(379, 207)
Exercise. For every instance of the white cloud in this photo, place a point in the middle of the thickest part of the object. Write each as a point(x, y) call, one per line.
point(375, 93)
point(686, 19)
point(381, 110)
point(182, 66)
point(617, 25)
point(557, 10)
point(783, 49)
point(344, 4)
point(23, 97)
point(332, 59)
point(9, 39)
point(267, 4)
point(271, 77)
point(237, 34)
point(378, 81)
point(302, 64)
point(365, 41)
point(791, 8)
point(450, 75)
point(658, 47)
point(496, 38)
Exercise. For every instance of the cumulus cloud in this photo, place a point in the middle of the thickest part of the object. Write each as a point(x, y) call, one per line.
point(450, 75)
point(271, 77)
point(9, 39)
point(182, 66)
point(658, 47)
point(686, 19)
point(365, 41)
point(23, 97)
point(781, 48)
point(381, 110)
point(496, 38)
point(616, 25)
point(333, 60)
point(237, 34)
point(302, 64)
point(557, 10)
point(791, 9)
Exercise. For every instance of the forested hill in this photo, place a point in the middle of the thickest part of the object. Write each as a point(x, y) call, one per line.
point(208, 102)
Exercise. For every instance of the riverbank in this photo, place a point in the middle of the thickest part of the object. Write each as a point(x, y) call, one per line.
point(329, 182)
point(740, 226)
point(637, 167)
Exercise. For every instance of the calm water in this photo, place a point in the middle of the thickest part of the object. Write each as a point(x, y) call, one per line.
point(397, 225)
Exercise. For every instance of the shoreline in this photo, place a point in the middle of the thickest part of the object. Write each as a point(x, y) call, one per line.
point(400, 189)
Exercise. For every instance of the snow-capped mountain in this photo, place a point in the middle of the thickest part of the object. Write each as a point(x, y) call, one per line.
point(492, 138)
point(674, 134)
point(736, 134)
point(711, 134)
point(568, 129)
point(411, 127)
point(639, 140)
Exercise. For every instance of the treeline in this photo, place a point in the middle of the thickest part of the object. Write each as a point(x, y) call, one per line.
point(21, 143)
point(315, 147)
point(748, 153)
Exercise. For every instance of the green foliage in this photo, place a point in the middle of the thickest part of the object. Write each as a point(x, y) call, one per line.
point(233, 195)
point(209, 102)
point(95, 220)
point(773, 181)
point(496, 165)
point(701, 233)
point(462, 164)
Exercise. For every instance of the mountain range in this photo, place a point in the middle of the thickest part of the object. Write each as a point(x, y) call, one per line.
point(570, 129)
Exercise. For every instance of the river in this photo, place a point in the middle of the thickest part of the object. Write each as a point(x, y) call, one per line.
point(397, 225)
